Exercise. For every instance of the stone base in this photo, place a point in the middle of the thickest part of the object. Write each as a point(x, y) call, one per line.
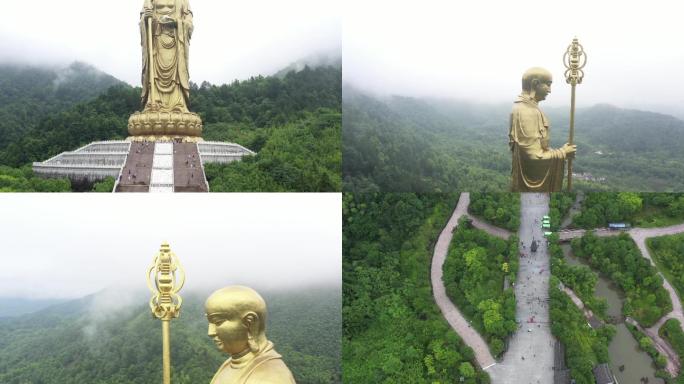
point(99, 160)
point(149, 123)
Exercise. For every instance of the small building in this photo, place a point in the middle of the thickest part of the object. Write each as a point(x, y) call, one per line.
point(604, 375)
point(618, 226)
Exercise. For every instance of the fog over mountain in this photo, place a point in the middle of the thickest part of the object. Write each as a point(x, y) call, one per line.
point(231, 40)
point(68, 246)
point(478, 51)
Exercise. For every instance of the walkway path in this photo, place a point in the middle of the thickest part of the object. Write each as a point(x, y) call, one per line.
point(451, 313)
point(530, 354)
point(663, 347)
point(491, 229)
point(594, 321)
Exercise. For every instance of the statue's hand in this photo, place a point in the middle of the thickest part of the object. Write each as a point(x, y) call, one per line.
point(148, 12)
point(569, 150)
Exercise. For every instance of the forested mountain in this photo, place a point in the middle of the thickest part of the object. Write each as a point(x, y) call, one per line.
point(28, 94)
point(296, 119)
point(401, 143)
point(16, 306)
point(91, 340)
point(393, 331)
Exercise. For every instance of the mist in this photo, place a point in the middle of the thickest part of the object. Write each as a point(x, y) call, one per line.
point(69, 246)
point(478, 51)
point(231, 40)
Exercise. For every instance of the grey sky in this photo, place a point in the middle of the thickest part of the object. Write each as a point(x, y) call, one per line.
point(479, 49)
point(71, 245)
point(232, 39)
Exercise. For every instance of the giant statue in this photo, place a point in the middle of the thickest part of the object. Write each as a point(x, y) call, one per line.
point(536, 166)
point(237, 324)
point(165, 31)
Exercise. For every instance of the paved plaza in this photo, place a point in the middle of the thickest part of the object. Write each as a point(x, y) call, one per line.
point(529, 358)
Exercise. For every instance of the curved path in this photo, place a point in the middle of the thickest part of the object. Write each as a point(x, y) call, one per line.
point(663, 347)
point(451, 313)
point(485, 226)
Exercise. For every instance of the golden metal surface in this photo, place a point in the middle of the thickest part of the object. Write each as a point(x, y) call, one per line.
point(166, 27)
point(536, 167)
point(574, 60)
point(165, 278)
point(237, 324)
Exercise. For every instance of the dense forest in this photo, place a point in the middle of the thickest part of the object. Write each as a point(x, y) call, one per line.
point(620, 260)
point(637, 209)
point(292, 121)
point(559, 207)
point(668, 253)
point(500, 209)
point(393, 332)
point(87, 341)
point(474, 274)
point(585, 347)
point(409, 144)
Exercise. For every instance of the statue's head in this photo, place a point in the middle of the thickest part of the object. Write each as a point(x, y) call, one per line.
point(237, 319)
point(537, 82)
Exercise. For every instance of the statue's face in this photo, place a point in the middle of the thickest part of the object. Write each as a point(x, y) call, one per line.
point(542, 87)
point(164, 7)
point(228, 331)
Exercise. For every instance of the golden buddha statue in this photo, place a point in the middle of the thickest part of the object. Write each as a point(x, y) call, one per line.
point(237, 324)
point(536, 166)
point(166, 28)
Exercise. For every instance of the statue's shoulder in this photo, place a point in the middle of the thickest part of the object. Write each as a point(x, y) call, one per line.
point(527, 113)
point(271, 371)
point(524, 108)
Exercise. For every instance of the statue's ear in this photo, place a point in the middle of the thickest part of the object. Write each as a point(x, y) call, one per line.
point(250, 320)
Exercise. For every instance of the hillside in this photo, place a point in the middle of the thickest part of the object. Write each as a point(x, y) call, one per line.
point(15, 306)
point(402, 144)
point(91, 340)
point(28, 94)
point(296, 119)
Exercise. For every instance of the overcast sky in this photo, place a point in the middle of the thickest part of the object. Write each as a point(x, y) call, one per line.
point(232, 39)
point(479, 49)
point(71, 245)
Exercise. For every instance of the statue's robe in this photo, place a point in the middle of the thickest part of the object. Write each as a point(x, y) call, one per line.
point(536, 167)
point(170, 45)
point(267, 367)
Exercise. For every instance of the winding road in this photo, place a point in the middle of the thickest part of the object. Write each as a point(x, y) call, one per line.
point(521, 363)
point(455, 318)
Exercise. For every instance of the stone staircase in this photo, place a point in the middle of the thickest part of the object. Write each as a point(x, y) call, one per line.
point(137, 171)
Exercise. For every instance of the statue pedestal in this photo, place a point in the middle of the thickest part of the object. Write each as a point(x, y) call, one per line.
point(150, 125)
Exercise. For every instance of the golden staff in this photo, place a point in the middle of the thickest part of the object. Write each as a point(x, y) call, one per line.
point(169, 277)
point(152, 93)
point(574, 59)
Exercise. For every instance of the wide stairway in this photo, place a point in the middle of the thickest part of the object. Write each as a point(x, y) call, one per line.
point(188, 173)
point(163, 167)
point(137, 172)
